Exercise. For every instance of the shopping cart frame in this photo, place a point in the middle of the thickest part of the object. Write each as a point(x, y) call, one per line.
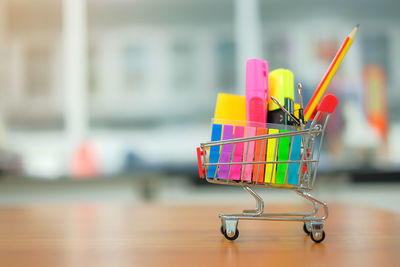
point(313, 224)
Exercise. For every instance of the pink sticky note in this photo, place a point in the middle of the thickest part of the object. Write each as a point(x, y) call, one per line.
point(248, 153)
point(237, 154)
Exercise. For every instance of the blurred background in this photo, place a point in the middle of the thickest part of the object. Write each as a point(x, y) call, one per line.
point(107, 100)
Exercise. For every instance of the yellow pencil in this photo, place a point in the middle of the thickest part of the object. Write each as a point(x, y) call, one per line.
point(329, 74)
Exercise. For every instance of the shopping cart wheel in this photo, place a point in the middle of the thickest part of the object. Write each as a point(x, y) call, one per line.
point(235, 236)
point(318, 237)
point(229, 228)
point(222, 230)
point(306, 229)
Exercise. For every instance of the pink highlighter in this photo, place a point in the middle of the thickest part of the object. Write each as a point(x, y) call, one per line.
point(256, 90)
point(256, 98)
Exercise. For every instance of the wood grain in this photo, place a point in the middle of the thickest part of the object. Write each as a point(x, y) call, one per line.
point(163, 235)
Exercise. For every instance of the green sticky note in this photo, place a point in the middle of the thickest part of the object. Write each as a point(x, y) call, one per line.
point(283, 155)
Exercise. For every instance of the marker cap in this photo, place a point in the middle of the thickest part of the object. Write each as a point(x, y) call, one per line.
point(281, 86)
point(256, 89)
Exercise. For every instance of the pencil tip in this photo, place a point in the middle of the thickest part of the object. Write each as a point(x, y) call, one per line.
point(354, 31)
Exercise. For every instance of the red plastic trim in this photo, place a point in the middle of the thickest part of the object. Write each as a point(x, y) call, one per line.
point(327, 105)
point(199, 154)
point(304, 165)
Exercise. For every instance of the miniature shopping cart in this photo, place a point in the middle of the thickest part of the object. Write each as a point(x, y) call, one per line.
point(306, 169)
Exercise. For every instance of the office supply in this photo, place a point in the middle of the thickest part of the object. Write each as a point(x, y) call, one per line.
point(272, 154)
point(293, 171)
point(283, 155)
point(248, 153)
point(296, 110)
point(256, 90)
point(230, 107)
point(227, 134)
point(294, 119)
point(237, 154)
point(281, 86)
point(312, 104)
point(216, 132)
point(301, 112)
point(276, 116)
point(259, 155)
point(313, 221)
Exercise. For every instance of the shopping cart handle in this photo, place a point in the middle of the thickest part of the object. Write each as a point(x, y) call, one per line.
point(327, 105)
point(199, 154)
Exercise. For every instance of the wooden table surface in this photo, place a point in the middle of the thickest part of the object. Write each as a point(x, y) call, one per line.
point(163, 235)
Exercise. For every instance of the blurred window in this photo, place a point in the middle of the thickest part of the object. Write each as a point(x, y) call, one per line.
point(277, 52)
point(375, 49)
point(37, 70)
point(135, 66)
point(183, 65)
point(225, 57)
point(92, 62)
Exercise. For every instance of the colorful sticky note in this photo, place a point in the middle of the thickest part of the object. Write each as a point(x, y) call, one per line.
point(248, 153)
point(230, 107)
point(214, 150)
point(259, 155)
point(226, 152)
point(237, 154)
point(272, 153)
point(283, 155)
point(293, 173)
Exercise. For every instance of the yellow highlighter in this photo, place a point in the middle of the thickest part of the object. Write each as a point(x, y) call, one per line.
point(281, 87)
point(272, 153)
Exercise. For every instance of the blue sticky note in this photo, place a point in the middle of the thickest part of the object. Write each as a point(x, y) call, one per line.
point(293, 173)
point(216, 133)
